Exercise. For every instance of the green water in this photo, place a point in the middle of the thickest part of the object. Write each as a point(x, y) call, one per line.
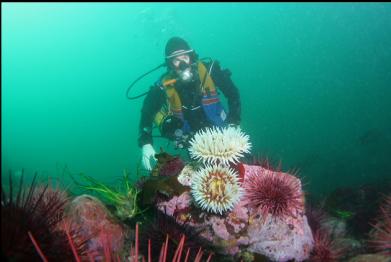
point(314, 79)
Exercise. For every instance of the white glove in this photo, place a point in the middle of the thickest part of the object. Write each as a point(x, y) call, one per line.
point(148, 153)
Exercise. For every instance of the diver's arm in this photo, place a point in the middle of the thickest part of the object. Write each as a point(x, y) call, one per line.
point(223, 81)
point(151, 105)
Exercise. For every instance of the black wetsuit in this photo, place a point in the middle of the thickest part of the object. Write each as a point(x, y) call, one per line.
point(190, 96)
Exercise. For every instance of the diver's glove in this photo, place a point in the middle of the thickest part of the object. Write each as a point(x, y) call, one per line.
point(148, 154)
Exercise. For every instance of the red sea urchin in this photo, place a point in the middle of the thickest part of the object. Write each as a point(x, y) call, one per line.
point(272, 192)
point(381, 235)
point(325, 249)
point(164, 228)
point(29, 217)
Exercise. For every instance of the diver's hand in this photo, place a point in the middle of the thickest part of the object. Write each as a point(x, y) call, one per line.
point(148, 154)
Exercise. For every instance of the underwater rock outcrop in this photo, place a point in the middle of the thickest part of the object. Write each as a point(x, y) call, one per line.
point(246, 211)
point(246, 229)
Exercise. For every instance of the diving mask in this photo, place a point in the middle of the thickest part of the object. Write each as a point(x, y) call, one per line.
point(181, 59)
point(183, 67)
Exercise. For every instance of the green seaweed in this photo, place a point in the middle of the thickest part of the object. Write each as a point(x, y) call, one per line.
point(344, 214)
point(124, 198)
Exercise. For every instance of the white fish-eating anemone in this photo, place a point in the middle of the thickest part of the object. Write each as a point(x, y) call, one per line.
point(219, 145)
point(216, 188)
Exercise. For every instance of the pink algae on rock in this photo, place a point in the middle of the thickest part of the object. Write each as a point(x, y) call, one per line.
point(90, 215)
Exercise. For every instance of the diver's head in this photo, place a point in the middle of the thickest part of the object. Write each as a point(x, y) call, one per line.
point(180, 58)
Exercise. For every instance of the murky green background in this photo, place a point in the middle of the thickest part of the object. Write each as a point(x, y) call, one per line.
point(315, 83)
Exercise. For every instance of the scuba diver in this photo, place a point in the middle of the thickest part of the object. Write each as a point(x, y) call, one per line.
point(185, 99)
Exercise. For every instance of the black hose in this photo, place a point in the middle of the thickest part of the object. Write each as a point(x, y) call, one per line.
point(143, 75)
point(138, 79)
